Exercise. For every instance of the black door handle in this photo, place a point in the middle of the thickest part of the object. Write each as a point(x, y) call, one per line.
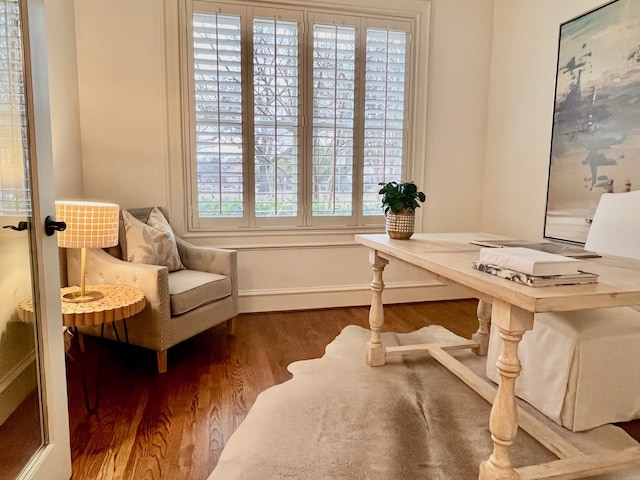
point(21, 226)
point(51, 226)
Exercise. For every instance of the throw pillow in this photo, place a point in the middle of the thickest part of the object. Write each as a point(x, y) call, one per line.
point(153, 242)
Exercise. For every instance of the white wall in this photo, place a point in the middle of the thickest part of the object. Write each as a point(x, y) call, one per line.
point(63, 97)
point(64, 105)
point(523, 71)
point(122, 100)
point(130, 157)
point(460, 57)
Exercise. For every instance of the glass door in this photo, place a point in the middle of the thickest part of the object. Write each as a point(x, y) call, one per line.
point(34, 432)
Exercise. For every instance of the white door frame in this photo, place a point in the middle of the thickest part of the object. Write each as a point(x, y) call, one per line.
point(53, 460)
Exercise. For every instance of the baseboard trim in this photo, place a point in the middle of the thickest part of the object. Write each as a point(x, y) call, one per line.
point(16, 385)
point(269, 300)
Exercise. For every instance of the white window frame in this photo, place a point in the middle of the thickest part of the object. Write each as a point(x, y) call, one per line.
point(414, 11)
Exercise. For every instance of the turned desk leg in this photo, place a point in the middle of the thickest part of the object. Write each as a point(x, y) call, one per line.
point(375, 349)
point(511, 322)
point(481, 337)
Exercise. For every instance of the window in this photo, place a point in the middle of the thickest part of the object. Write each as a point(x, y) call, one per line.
point(15, 193)
point(295, 115)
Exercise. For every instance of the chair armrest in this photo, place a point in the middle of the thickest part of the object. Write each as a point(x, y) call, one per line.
point(208, 259)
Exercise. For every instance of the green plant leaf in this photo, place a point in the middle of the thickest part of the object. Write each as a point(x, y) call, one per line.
point(398, 196)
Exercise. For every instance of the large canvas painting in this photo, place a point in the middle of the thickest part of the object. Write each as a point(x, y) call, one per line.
point(595, 146)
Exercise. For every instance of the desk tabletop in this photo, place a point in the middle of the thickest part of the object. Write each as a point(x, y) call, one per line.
point(449, 257)
point(119, 302)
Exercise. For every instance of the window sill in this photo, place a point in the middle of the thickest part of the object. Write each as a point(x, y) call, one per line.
point(262, 239)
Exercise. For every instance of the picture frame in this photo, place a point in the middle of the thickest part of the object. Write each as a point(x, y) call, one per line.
point(595, 141)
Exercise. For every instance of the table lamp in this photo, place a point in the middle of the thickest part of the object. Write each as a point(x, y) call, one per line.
point(89, 225)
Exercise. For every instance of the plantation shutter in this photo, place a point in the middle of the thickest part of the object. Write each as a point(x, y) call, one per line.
point(15, 197)
point(332, 159)
point(217, 65)
point(296, 116)
point(276, 111)
point(384, 137)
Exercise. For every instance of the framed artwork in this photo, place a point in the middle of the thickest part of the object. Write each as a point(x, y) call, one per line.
point(595, 143)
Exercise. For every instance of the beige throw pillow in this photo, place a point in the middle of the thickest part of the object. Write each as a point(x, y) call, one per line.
point(152, 242)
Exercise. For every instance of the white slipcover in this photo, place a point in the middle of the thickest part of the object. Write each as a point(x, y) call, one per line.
point(577, 369)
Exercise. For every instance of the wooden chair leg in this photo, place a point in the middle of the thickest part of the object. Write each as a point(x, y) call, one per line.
point(162, 361)
point(231, 327)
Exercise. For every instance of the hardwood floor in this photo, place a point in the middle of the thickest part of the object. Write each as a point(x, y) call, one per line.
point(20, 437)
point(175, 425)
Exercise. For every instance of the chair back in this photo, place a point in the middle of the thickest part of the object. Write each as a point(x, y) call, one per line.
point(615, 229)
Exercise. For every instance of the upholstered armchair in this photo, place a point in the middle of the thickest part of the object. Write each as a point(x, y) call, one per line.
point(198, 293)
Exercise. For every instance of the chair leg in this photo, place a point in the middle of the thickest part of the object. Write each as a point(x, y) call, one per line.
point(162, 361)
point(231, 327)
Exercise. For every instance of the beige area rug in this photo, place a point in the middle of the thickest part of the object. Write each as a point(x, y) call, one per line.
point(412, 419)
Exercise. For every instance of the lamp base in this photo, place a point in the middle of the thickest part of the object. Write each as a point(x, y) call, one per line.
point(77, 297)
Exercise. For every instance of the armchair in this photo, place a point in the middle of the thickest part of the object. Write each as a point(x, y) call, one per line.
point(180, 303)
point(581, 368)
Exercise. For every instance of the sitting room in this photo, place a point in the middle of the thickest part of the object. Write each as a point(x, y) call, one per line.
point(202, 278)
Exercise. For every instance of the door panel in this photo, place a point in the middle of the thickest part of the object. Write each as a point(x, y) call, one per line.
point(33, 401)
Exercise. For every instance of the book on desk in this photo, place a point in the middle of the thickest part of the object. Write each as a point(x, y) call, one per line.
point(532, 262)
point(533, 268)
point(580, 278)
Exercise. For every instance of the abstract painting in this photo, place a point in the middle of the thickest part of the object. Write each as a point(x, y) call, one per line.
point(595, 144)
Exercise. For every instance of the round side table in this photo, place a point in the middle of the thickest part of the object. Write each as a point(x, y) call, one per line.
point(118, 302)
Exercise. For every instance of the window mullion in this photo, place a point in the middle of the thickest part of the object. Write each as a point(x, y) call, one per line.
point(334, 167)
point(306, 112)
point(358, 127)
point(248, 118)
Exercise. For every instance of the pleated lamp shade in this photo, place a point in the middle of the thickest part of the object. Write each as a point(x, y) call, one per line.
point(89, 225)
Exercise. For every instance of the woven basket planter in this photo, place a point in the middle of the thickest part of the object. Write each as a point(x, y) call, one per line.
point(400, 226)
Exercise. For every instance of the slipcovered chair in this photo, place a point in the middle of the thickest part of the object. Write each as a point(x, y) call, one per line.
point(188, 288)
point(582, 369)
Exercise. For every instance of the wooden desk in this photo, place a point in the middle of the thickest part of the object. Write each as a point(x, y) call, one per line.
point(511, 308)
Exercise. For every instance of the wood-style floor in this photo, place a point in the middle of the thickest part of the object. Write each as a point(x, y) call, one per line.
point(20, 437)
point(174, 426)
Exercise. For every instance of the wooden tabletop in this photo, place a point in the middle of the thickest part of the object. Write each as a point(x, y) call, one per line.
point(119, 302)
point(448, 257)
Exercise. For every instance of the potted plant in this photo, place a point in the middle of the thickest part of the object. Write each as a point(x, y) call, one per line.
point(400, 200)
